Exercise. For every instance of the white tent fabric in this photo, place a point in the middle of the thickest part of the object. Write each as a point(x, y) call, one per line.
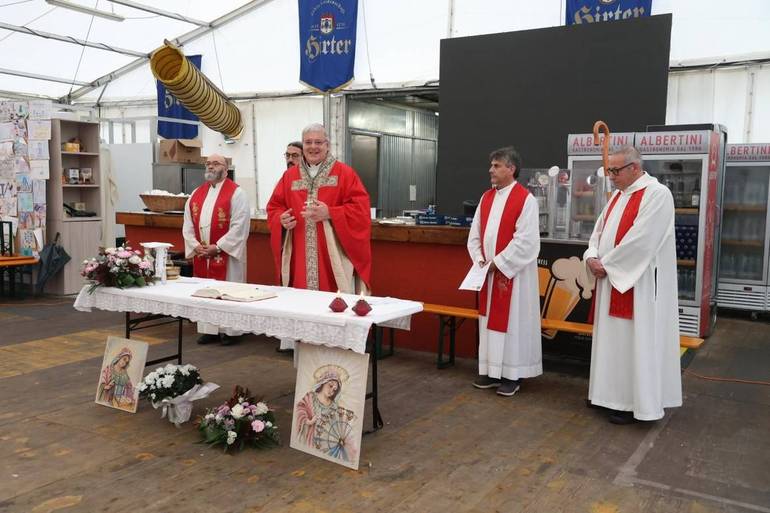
point(398, 40)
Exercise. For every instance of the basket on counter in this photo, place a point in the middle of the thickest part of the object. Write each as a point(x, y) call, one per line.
point(163, 203)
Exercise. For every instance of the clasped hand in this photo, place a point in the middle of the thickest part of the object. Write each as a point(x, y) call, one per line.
point(314, 212)
point(596, 267)
point(205, 250)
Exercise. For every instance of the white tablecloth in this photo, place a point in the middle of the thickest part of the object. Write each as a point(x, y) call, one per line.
point(295, 313)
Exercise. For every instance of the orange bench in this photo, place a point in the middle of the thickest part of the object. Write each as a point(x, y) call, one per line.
point(448, 316)
point(9, 264)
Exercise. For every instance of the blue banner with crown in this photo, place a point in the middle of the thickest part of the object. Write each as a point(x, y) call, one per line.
point(579, 12)
point(327, 41)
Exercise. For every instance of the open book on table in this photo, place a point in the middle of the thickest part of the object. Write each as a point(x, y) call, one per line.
point(234, 292)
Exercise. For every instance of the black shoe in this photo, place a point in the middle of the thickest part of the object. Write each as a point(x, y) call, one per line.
point(622, 417)
point(208, 339)
point(509, 387)
point(486, 382)
point(227, 340)
point(593, 406)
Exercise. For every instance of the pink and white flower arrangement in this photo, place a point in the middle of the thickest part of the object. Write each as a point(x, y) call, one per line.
point(241, 421)
point(118, 267)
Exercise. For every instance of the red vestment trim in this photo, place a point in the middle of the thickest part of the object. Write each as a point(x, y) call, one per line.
point(622, 304)
point(215, 267)
point(502, 287)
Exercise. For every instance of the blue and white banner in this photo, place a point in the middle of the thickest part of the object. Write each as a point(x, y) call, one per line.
point(169, 107)
point(327, 41)
point(595, 11)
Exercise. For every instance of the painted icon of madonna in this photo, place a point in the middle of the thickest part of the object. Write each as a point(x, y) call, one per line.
point(121, 373)
point(329, 403)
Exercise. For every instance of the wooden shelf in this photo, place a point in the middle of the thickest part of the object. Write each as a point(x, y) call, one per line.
point(746, 208)
point(83, 185)
point(744, 243)
point(685, 263)
point(686, 211)
point(81, 153)
point(80, 219)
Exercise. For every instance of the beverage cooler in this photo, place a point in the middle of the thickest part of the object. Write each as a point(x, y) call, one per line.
point(690, 164)
point(743, 270)
point(588, 193)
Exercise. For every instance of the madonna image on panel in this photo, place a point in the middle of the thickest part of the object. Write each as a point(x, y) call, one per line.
point(327, 418)
point(121, 369)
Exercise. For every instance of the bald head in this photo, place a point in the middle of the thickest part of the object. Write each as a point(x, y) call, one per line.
point(216, 168)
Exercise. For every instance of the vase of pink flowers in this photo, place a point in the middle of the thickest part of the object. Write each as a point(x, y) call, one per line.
point(118, 267)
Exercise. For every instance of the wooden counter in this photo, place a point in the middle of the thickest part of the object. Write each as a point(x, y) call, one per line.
point(396, 233)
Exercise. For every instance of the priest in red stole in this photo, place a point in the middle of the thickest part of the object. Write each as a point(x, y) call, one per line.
point(320, 223)
point(505, 235)
point(635, 369)
point(215, 231)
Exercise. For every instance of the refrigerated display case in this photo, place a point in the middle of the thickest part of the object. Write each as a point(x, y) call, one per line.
point(588, 191)
point(743, 272)
point(690, 164)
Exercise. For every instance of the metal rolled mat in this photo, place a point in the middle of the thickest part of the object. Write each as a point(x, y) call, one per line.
point(195, 91)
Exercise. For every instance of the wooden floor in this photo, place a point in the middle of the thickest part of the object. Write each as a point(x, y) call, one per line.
point(446, 447)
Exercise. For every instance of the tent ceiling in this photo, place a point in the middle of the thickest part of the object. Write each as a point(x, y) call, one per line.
point(141, 31)
point(259, 51)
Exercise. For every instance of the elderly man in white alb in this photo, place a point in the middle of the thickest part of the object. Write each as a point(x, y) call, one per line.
point(215, 231)
point(506, 233)
point(635, 369)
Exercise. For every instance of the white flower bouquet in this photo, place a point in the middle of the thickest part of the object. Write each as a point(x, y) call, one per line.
point(174, 388)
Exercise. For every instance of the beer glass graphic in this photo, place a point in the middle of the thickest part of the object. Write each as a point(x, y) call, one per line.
point(561, 287)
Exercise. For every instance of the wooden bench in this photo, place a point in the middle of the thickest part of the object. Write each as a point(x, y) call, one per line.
point(448, 316)
point(10, 264)
point(447, 319)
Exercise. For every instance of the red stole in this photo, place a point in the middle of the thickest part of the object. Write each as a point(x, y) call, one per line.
point(622, 304)
point(502, 287)
point(214, 267)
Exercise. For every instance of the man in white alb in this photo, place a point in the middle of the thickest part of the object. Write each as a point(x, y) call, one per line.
point(505, 232)
point(215, 231)
point(635, 369)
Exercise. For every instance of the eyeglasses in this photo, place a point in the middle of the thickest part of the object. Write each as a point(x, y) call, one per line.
point(614, 171)
point(213, 163)
point(314, 142)
point(292, 155)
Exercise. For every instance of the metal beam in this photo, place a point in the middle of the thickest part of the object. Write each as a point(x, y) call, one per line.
point(24, 96)
point(70, 39)
point(180, 41)
point(161, 12)
point(42, 77)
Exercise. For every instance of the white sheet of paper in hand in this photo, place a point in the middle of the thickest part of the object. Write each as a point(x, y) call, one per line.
point(474, 280)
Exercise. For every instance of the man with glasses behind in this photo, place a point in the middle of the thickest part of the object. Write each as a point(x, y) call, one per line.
point(635, 370)
point(320, 225)
point(215, 231)
point(293, 154)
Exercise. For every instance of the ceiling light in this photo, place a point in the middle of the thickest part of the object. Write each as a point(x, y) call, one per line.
point(86, 10)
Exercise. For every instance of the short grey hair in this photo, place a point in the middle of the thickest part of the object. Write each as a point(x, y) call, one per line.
point(630, 154)
point(314, 127)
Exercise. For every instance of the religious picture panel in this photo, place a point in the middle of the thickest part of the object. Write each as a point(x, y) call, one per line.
point(121, 373)
point(329, 403)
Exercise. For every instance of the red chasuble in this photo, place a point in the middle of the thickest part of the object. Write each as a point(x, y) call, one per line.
point(350, 218)
point(502, 287)
point(215, 267)
point(622, 304)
